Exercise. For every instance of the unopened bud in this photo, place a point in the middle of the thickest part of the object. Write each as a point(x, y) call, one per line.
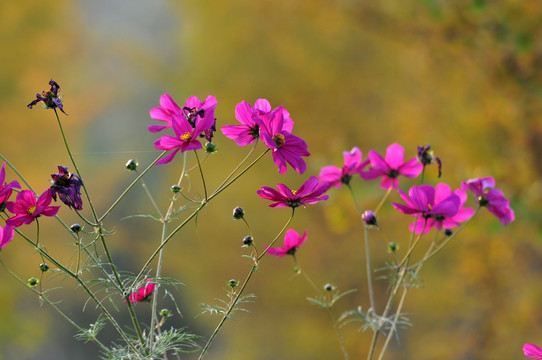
point(75, 228)
point(32, 282)
point(248, 240)
point(175, 188)
point(369, 218)
point(448, 232)
point(392, 247)
point(233, 283)
point(210, 148)
point(328, 287)
point(44, 267)
point(238, 213)
point(131, 165)
point(165, 313)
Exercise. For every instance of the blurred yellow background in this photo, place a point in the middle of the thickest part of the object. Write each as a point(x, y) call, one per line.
point(464, 76)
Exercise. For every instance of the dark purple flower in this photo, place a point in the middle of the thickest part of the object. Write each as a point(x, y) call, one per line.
point(286, 147)
point(334, 176)
point(27, 208)
point(435, 207)
point(6, 235)
point(310, 192)
point(249, 130)
point(426, 157)
point(50, 98)
point(5, 188)
point(493, 199)
point(292, 241)
point(68, 187)
point(369, 218)
point(391, 167)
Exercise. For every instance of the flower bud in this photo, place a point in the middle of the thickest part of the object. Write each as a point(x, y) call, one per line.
point(32, 282)
point(165, 313)
point(248, 240)
point(210, 148)
point(75, 228)
point(369, 218)
point(296, 269)
point(233, 283)
point(44, 267)
point(392, 247)
point(238, 213)
point(448, 232)
point(131, 165)
point(328, 287)
point(175, 188)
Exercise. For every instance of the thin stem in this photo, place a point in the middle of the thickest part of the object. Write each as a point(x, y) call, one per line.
point(17, 172)
point(201, 173)
point(368, 263)
point(150, 197)
point(56, 308)
point(239, 165)
point(338, 331)
point(116, 202)
point(383, 200)
point(240, 291)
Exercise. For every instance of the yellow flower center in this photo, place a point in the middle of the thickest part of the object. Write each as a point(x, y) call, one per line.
point(294, 192)
point(186, 136)
point(278, 139)
point(31, 210)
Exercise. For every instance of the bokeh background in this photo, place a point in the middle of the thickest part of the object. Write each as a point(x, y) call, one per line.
point(464, 76)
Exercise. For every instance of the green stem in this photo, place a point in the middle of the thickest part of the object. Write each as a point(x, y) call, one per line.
point(338, 331)
point(56, 308)
point(241, 290)
point(202, 177)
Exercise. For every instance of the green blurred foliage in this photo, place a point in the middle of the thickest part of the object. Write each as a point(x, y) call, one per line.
point(463, 76)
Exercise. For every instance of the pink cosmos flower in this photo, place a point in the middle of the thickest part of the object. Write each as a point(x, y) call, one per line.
point(5, 188)
point(435, 207)
point(6, 235)
point(27, 208)
point(287, 148)
point(143, 293)
point(334, 176)
point(249, 131)
point(391, 167)
point(532, 351)
point(168, 107)
point(310, 192)
point(186, 135)
point(292, 241)
point(486, 195)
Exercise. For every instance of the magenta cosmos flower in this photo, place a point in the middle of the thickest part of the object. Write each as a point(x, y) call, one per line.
point(27, 208)
point(310, 192)
point(436, 207)
point(493, 199)
point(391, 166)
point(286, 147)
point(5, 188)
point(168, 107)
point(249, 130)
point(532, 351)
point(186, 135)
point(334, 176)
point(6, 235)
point(292, 241)
point(143, 293)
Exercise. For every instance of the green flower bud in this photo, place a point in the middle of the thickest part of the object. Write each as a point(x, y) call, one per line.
point(131, 165)
point(44, 267)
point(165, 313)
point(175, 188)
point(233, 283)
point(32, 282)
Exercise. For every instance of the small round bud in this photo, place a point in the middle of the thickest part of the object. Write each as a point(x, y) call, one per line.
point(448, 232)
point(233, 283)
point(369, 218)
point(296, 269)
point(392, 247)
point(165, 313)
point(238, 213)
point(247, 240)
point(328, 287)
point(131, 165)
point(210, 148)
point(75, 228)
point(44, 267)
point(175, 188)
point(32, 282)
